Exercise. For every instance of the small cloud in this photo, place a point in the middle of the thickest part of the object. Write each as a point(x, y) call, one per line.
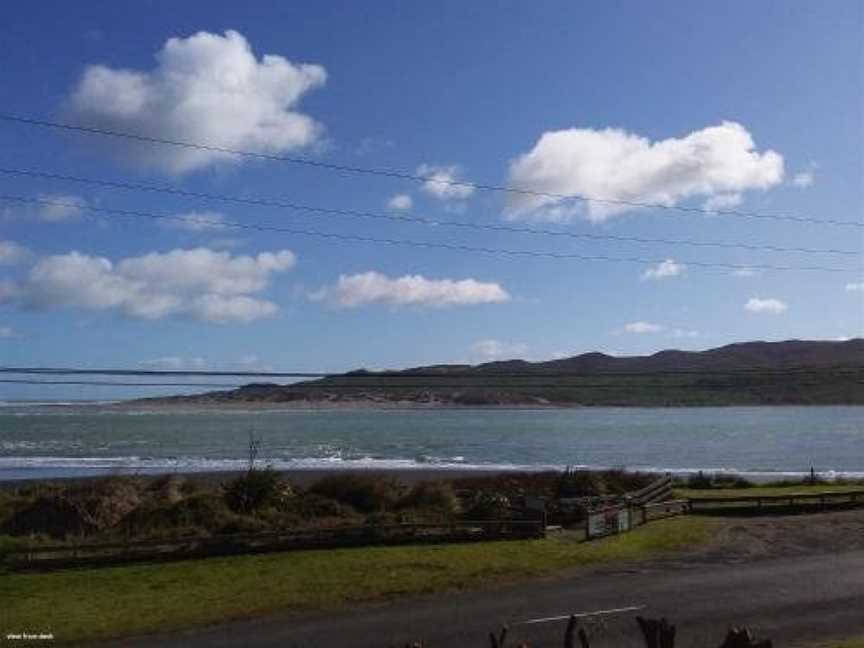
point(175, 363)
point(664, 270)
point(204, 221)
point(7, 332)
point(372, 287)
point(744, 272)
point(443, 182)
point(643, 327)
point(684, 333)
point(400, 202)
point(56, 208)
point(11, 253)
point(490, 350)
point(770, 305)
point(803, 179)
point(855, 286)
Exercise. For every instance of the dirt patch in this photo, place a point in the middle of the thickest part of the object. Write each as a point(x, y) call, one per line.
point(747, 539)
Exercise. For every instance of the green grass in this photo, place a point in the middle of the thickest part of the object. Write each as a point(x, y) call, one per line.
point(111, 602)
point(763, 490)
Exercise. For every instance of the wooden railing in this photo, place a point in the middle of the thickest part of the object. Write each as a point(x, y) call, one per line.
point(656, 491)
point(72, 554)
point(824, 499)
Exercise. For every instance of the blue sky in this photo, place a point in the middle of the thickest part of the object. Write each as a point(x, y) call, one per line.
point(748, 106)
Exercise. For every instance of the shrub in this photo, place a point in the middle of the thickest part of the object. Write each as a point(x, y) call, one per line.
point(253, 490)
point(699, 480)
point(82, 509)
point(433, 496)
point(580, 483)
point(486, 505)
point(312, 506)
point(207, 512)
point(365, 493)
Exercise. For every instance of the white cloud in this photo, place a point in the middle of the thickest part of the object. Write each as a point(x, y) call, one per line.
point(11, 253)
point(55, 208)
point(207, 88)
point(804, 179)
point(490, 350)
point(643, 327)
point(400, 202)
point(439, 179)
point(770, 305)
point(7, 332)
point(616, 165)
point(744, 272)
point(204, 221)
point(664, 270)
point(200, 283)
point(410, 290)
point(684, 333)
point(722, 201)
point(855, 287)
point(176, 363)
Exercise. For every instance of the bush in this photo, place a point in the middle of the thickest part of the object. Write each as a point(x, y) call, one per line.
point(365, 493)
point(487, 505)
point(437, 497)
point(313, 506)
point(254, 490)
point(580, 483)
point(699, 481)
point(82, 509)
point(201, 512)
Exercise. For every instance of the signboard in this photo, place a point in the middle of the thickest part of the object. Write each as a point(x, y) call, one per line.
point(608, 522)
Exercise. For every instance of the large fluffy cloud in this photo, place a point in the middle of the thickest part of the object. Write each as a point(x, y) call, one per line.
point(207, 88)
point(717, 163)
point(199, 283)
point(410, 290)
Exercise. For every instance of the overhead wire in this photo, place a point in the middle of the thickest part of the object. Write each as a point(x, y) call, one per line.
point(404, 175)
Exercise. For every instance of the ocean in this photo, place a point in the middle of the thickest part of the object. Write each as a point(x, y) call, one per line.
point(39, 440)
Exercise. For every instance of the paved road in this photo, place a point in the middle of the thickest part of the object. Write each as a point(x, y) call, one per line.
point(785, 599)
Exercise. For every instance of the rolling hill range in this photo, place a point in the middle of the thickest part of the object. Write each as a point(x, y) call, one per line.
point(795, 372)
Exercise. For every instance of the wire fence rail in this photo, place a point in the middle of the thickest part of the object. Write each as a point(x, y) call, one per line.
point(807, 501)
point(74, 554)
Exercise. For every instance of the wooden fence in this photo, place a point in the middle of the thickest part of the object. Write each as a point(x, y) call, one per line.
point(72, 554)
point(757, 503)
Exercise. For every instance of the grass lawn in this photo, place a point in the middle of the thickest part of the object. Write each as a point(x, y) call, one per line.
point(116, 601)
point(763, 490)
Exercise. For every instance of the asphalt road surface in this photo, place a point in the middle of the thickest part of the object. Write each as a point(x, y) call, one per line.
point(789, 599)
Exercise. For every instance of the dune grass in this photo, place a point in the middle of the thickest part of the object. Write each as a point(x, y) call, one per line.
point(110, 602)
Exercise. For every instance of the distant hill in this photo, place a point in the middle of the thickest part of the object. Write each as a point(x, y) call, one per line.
point(751, 373)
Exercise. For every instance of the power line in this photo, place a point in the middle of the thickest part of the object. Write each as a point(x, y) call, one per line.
point(259, 202)
point(446, 246)
point(466, 374)
point(403, 175)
